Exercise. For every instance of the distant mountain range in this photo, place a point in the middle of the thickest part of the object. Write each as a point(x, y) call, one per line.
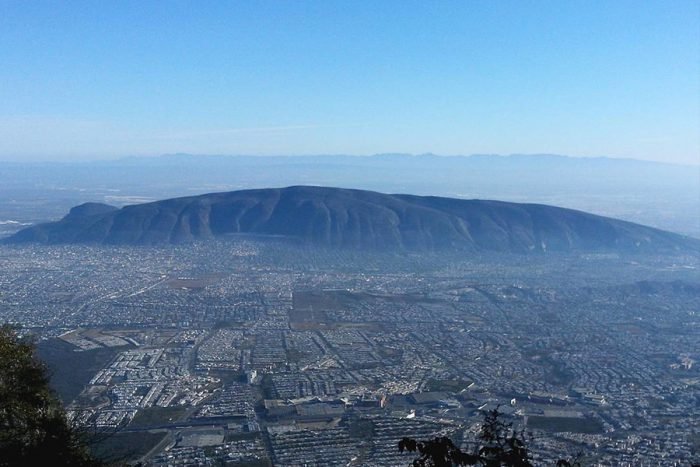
point(334, 217)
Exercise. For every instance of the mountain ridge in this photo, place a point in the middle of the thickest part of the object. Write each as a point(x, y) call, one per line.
point(339, 217)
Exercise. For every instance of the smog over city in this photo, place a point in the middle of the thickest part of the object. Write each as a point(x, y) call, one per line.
point(341, 234)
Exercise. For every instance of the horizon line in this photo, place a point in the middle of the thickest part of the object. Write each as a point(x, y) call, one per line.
point(117, 158)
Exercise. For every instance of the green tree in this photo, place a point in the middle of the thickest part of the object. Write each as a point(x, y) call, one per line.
point(34, 429)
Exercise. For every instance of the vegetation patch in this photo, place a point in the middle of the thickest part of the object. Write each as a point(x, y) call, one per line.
point(447, 385)
point(121, 447)
point(156, 416)
point(695, 443)
point(565, 424)
point(71, 371)
point(296, 355)
point(361, 428)
point(245, 436)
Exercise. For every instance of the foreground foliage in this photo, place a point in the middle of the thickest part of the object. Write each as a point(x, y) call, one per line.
point(498, 445)
point(34, 430)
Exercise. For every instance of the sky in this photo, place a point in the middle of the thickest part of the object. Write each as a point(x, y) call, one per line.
point(104, 79)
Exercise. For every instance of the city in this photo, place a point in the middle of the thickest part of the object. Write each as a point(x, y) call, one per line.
point(247, 352)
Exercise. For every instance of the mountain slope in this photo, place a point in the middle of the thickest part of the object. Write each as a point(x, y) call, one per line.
point(357, 219)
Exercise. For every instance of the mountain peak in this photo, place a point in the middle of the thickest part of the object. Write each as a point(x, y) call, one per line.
point(90, 209)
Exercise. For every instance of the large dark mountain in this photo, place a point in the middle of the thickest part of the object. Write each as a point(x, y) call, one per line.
point(356, 219)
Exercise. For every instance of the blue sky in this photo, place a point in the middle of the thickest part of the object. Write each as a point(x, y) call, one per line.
point(82, 80)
